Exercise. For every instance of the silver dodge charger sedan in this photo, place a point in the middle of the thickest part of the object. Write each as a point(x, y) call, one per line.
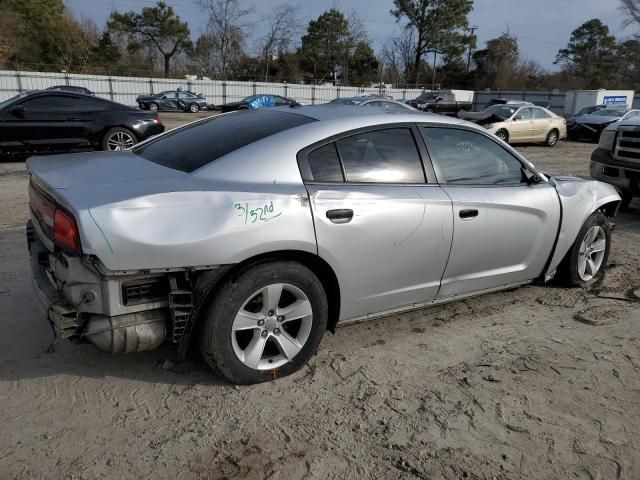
point(252, 233)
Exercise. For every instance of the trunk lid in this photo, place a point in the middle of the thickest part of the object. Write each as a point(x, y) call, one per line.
point(64, 172)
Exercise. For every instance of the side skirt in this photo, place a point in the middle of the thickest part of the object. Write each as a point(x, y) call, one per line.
point(419, 306)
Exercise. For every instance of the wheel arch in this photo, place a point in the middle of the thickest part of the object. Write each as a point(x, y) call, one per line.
point(206, 283)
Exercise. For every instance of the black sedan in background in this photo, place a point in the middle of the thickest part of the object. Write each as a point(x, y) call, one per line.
point(172, 101)
point(49, 121)
point(589, 127)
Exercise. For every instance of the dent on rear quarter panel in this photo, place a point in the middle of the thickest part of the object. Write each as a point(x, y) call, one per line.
point(580, 198)
point(197, 228)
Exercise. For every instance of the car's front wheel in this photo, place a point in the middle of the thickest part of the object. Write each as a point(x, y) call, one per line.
point(194, 108)
point(264, 323)
point(503, 135)
point(118, 139)
point(586, 263)
point(153, 107)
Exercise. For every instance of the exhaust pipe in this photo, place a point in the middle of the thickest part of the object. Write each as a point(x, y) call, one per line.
point(134, 332)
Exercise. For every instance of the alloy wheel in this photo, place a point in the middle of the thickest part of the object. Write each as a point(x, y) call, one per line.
point(591, 255)
point(552, 138)
point(153, 107)
point(194, 108)
point(120, 141)
point(271, 326)
point(502, 136)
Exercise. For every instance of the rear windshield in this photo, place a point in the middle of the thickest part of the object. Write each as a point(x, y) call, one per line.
point(194, 146)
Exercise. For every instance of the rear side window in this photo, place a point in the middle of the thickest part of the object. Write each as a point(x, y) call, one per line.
point(539, 113)
point(381, 156)
point(325, 164)
point(189, 148)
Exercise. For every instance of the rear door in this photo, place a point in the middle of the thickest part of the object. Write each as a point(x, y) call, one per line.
point(384, 230)
point(504, 227)
point(542, 123)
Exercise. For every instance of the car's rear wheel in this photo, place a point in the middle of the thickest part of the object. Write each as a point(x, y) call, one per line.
point(118, 139)
point(194, 108)
point(552, 138)
point(503, 135)
point(153, 107)
point(264, 323)
point(586, 263)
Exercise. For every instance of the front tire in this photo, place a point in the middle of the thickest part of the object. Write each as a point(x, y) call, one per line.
point(503, 135)
point(194, 108)
point(264, 323)
point(118, 139)
point(586, 263)
point(153, 107)
point(552, 138)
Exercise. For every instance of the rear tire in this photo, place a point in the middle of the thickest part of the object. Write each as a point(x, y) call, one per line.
point(552, 138)
point(585, 264)
point(117, 139)
point(244, 333)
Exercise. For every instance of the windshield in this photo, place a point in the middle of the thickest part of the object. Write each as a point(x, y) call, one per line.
point(502, 111)
point(428, 96)
point(346, 101)
point(6, 103)
point(608, 112)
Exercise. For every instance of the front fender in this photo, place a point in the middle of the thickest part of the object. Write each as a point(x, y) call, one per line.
point(579, 198)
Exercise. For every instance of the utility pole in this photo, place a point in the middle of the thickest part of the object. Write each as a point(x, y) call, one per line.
point(472, 30)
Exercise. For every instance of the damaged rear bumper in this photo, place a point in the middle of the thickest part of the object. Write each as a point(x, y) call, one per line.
point(81, 304)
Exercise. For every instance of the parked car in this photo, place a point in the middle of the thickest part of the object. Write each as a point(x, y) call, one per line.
point(617, 158)
point(258, 101)
point(517, 123)
point(439, 102)
point(72, 88)
point(253, 233)
point(373, 101)
point(172, 101)
point(506, 101)
point(589, 127)
point(587, 110)
point(51, 121)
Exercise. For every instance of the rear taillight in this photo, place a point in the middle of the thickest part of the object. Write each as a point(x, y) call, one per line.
point(65, 232)
point(159, 120)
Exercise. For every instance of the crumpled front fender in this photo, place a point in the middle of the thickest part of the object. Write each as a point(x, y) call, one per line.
point(579, 199)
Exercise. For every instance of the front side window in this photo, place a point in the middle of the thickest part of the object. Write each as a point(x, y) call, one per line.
point(381, 156)
point(524, 114)
point(467, 157)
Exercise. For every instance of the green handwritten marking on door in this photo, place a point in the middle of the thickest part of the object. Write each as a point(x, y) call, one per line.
point(263, 213)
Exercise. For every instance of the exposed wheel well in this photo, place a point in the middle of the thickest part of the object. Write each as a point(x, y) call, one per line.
point(316, 264)
point(610, 209)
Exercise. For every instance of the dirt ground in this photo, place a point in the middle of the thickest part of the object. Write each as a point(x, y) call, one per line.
point(539, 382)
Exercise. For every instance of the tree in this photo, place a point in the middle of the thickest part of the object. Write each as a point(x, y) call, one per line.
point(155, 26)
point(632, 9)
point(435, 23)
point(590, 54)
point(364, 65)
point(225, 34)
point(282, 25)
point(628, 54)
point(323, 45)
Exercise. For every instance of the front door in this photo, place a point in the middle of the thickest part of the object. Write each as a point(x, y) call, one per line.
point(385, 232)
point(504, 227)
point(521, 128)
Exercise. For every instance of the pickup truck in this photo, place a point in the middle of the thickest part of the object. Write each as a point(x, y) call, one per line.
point(439, 102)
point(617, 159)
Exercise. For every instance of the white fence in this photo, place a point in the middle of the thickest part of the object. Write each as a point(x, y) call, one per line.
point(126, 89)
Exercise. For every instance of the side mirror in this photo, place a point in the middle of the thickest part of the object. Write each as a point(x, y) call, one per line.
point(18, 111)
point(439, 99)
point(517, 117)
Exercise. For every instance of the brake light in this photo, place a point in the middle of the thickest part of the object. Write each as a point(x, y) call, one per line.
point(159, 120)
point(65, 231)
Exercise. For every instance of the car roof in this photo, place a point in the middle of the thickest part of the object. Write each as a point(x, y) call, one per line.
point(339, 112)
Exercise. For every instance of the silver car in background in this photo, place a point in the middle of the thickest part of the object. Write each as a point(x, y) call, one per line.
point(252, 233)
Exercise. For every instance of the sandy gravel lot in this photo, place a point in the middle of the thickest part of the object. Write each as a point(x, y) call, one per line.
point(539, 382)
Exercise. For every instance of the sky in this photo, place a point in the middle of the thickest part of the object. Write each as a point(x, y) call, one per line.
point(541, 26)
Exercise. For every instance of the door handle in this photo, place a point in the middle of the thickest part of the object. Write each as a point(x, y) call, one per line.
point(341, 215)
point(470, 213)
